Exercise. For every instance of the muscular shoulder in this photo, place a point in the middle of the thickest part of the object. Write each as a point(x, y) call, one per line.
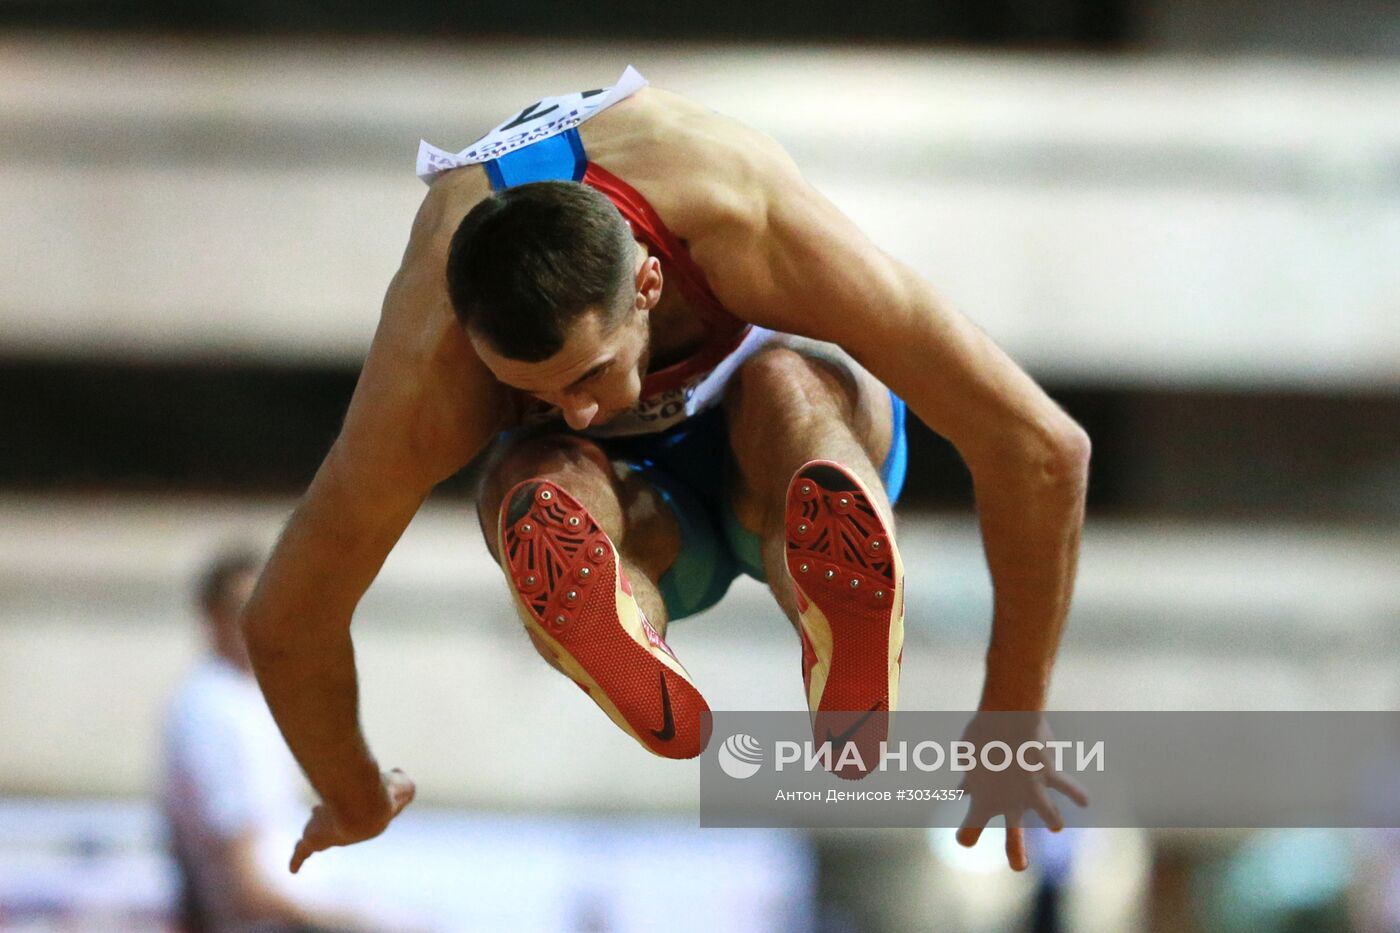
point(425, 403)
point(448, 199)
point(706, 173)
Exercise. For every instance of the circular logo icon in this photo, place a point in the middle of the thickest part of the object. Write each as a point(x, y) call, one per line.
point(740, 756)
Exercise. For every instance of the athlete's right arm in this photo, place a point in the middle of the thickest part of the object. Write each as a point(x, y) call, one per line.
point(423, 407)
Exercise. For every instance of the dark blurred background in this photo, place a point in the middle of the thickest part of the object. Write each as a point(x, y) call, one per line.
point(1181, 216)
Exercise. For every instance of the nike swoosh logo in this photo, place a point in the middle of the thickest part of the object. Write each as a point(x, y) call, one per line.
point(667, 732)
point(839, 741)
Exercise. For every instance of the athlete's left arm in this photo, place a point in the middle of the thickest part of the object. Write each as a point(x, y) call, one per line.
point(795, 263)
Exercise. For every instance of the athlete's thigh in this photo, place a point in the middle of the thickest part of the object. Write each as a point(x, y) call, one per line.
point(809, 384)
point(870, 414)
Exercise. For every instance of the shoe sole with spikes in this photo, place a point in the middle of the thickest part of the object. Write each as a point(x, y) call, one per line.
point(576, 602)
point(849, 582)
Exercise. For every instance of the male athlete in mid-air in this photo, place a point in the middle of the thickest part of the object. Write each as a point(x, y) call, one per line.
point(730, 359)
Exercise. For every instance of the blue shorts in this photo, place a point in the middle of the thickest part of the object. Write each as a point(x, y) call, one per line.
point(692, 468)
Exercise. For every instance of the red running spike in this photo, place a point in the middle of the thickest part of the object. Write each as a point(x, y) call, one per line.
point(577, 606)
point(849, 583)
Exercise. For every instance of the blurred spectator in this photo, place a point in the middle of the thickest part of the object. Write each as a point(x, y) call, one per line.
point(1053, 856)
point(230, 791)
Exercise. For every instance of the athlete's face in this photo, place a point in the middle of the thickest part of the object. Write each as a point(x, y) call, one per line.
point(597, 374)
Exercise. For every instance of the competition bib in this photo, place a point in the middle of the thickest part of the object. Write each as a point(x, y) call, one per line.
point(540, 120)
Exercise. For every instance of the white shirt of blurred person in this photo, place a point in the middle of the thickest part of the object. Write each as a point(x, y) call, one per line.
point(231, 794)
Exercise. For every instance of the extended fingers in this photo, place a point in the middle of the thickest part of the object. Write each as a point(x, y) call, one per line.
point(300, 854)
point(1016, 844)
point(978, 813)
point(1045, 807)
point(312, 839)
point(1067, 786)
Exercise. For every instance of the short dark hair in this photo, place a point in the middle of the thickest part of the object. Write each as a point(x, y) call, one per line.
point(528, 261)
point(221, 571)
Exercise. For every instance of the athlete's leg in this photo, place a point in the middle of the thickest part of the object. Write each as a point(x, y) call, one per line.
point(808, 427)
point(789, 405)
point(582, 543)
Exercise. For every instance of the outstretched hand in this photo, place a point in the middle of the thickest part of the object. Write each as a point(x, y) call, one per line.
point(323, 830)
point(1014, 791)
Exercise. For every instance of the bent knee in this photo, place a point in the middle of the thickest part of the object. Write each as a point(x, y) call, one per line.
point(786, 403)
point(773, 366)
point(575, 463)
point(780, 381)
